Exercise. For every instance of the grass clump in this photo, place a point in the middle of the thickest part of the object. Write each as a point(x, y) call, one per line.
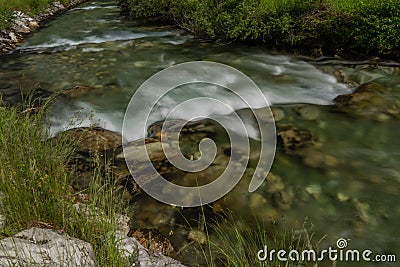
point(368, 27)
point(236, 242)
point(32, 171)
point(35, 189)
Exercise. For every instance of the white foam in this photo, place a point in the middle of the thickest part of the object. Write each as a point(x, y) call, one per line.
point(112, 37)
point(94, 7)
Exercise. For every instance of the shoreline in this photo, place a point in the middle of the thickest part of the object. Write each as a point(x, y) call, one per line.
point(23, 24)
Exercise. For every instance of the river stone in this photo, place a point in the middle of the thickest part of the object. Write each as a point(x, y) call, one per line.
point(92, 141)
point(200, 128)
point(308, 112)
point(342, 197)
point(273, 183)
point(140, 256)
point(33, 24)
point(278, 113)
point(257, 201)
point(294, 139)
point(314, 190)
point(316, 159)
point(45, 247)
point(136, 151)
point(363, 211)
point(13, 37)
point(370, 87)
point(150, 214)
point(363, 97)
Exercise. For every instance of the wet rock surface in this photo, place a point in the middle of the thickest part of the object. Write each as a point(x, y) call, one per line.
point(78, 91)
point(370, 99)
point(295, 139)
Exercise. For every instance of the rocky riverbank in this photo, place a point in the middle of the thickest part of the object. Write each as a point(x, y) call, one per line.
point(24, 24)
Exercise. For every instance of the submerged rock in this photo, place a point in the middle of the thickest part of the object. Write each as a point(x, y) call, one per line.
point(282, 199)
point(278, 113)
point(370, 87)
point(362, 98)
point(92, 141)
point(273, 183)
point(257, 201)
point(370, 99)
point(197, 236)
point(199, 129)
point(316, 159)
point(308, 112)
point(137, 150)
point(294, 139)
point(314, 190)
point(363, 211)
point(45, 247)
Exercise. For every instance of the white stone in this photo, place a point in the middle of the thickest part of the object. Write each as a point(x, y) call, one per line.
point(13, 37)
point(45, 247)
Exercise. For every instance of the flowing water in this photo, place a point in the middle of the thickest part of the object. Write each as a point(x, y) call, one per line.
point(356, 197)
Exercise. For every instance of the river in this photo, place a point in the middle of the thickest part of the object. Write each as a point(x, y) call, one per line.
point(352, 194)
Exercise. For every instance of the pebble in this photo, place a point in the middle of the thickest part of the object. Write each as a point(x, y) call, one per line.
point(273, 183)
point(278, 113)
point(342, 197)
point(308, 112)
point(282, 200)
point(382, 117)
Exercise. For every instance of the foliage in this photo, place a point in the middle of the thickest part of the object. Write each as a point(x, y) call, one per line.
point(369, 26)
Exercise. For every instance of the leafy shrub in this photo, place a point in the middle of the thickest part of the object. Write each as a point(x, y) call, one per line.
point(369, 26)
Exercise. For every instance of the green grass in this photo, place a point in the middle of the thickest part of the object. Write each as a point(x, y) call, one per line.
point(236, 242)
point(34, 183)
point(368, 27)
point(31, 7)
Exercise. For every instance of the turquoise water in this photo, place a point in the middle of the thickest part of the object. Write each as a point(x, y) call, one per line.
point(355, 197)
